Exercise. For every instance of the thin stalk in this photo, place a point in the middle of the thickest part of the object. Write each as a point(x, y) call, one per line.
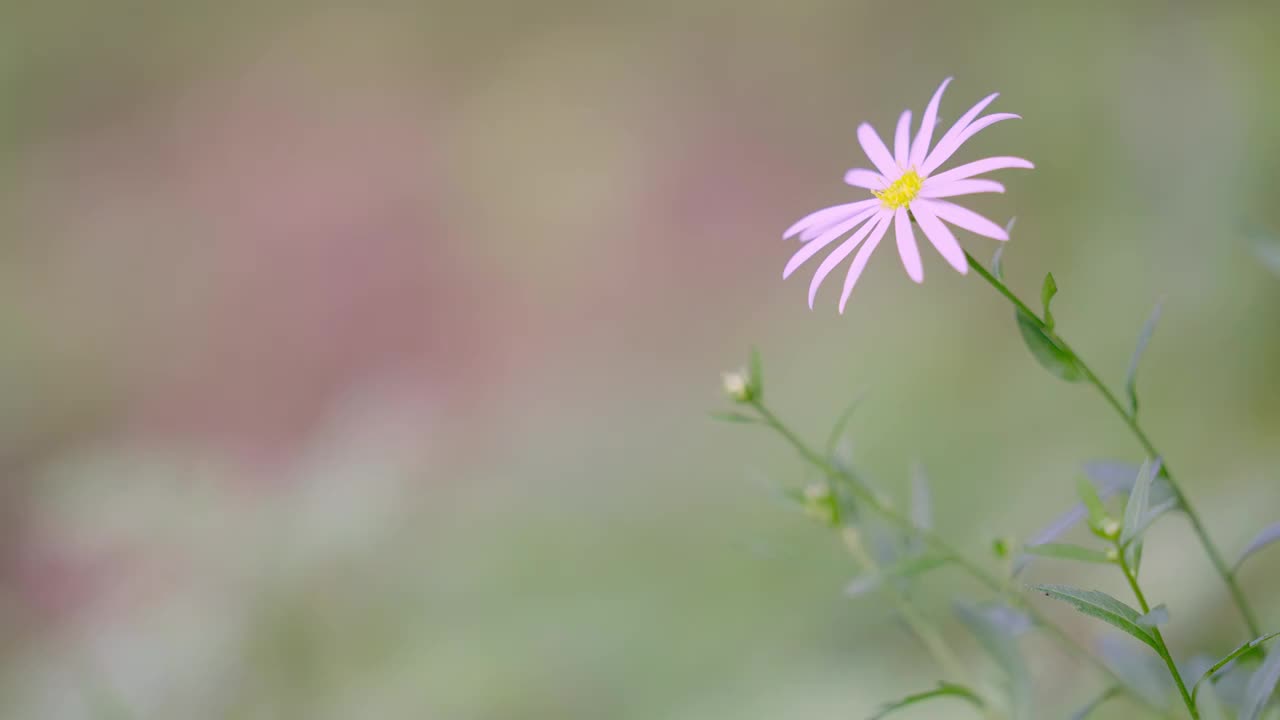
point(932, 539)
point(1132, 578)
point(1131, 421)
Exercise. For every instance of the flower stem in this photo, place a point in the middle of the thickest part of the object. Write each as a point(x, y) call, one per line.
point(1131, 421)
point(932, 539)
point(1132, 577)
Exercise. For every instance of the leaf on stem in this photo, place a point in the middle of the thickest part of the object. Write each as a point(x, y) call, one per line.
point(943, 690)
point(1261, 687)
point(1102, 606)
point(1231, 656)
point(1144, 338)
point(1136, 511)
point(1269, 534)
point(1046, 350)
point(1067, 551)
point(997, 261)
point(1047, 291)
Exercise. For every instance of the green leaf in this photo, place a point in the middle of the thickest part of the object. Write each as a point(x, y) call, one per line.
point(1234, 654)
point(1066, 551)
point(1102, 606)
point(943, 690)
point(1047, 291)
point(1144, 338)
point(997, 261)
point(731, 416)
point(1105, 695)
point(1088, 495)
point(1261, 687)
point(1002, 646)
point(1136, 509)
point(842, 422)
point(755, 375)
point(1046, 350)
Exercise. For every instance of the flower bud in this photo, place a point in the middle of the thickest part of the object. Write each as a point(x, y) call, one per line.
point(737, 385)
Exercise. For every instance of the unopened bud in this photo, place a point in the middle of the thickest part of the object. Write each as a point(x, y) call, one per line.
point(1110, 529)
point(737, 385)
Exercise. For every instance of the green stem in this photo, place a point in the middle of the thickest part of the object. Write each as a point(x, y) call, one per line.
point(1132, 578)
point(1131, 421)
point(932, 539)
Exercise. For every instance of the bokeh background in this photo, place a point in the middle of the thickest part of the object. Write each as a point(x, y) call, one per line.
point(357, 357)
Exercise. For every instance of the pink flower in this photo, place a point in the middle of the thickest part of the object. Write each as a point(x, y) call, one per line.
point(904, 185)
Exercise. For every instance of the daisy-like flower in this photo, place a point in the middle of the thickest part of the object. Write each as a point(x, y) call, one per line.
point(905, 184)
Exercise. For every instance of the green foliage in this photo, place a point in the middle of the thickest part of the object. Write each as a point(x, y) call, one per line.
point(1131, 378)
point(1067, 551)
point(942, 691)
point(1047, 350)
point(1047, 291)
point(1102, 606)
point(1268, 535)
point(1260, 688)
point(1239, 652)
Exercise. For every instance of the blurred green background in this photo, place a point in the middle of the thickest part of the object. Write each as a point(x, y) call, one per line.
point(357, 358)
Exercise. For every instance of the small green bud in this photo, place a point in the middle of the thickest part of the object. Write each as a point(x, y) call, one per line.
point(1113, 554)
point(820, 502)
point(1000, 546)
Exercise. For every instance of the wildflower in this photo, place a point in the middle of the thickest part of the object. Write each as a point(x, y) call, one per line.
point(905, 185)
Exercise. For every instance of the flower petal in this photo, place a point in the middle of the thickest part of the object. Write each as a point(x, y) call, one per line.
point(977, 167)
point(823, 240)
point(959, 187)
point(950, 139)
point(902, 140)
point(965, 218)
point(839, 254)
point(827, 216)
point(907, 249)
point(920, 148)
point(937, 157)
point(864, 255)
point(879, 155)
point(817, 229)
point(940, 236)
point(868, 179)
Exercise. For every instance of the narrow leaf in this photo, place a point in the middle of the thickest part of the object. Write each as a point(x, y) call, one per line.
point(1261, 687)
point(1144, 337)
point(1269, 534)
point(1046, 350)
point(1092, 502)
point(1102, 606)
point(1047, 291)
point(997, 260)
point(1158, 616)
point(1003, 648)
point(1066, 551)
point(1135, 512)
point(943, 690)
point(1094, 704)
point(731, 416)
point(1242, 650)
point(842, 422)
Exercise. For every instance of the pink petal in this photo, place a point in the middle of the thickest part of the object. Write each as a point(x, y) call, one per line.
point(972, 129)
point(950, 140)
point(817, 229)
point(920, 148)
point(965, 218)
point(931, 189)
point(825, 215)
point(907, 249)
point(879, 155)
point(811, 249)
point(940, 236)
point(868, 179)
point(839, 255)
point(860, 260)
point(902, 140)
point(977, 167)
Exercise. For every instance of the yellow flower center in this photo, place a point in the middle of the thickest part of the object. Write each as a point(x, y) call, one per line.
point(901, 192)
